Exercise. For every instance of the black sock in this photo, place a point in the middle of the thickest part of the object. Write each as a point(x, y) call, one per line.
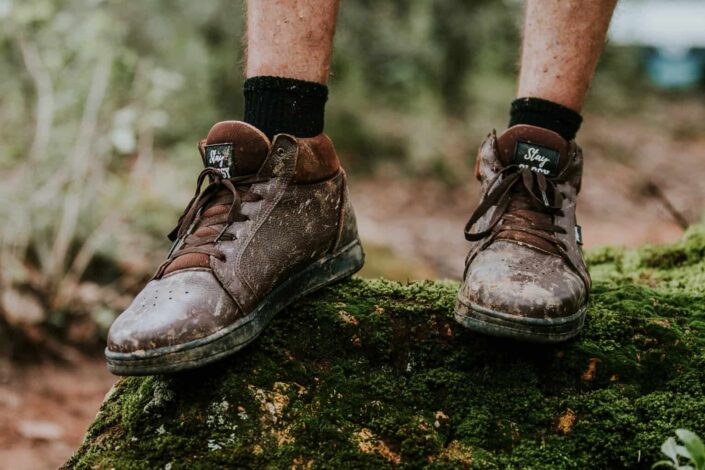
point(546, 114)
point(283, 105)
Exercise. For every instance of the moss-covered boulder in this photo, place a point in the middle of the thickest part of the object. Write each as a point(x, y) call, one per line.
point(374, 374)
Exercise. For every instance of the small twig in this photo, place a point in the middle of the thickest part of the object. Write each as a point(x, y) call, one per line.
point(45, 99)
point(89, 247)
point(80, 164)
point(652, 189)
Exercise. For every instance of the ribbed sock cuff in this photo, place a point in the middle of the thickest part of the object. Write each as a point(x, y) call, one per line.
point(547, 114)
point(277, 105)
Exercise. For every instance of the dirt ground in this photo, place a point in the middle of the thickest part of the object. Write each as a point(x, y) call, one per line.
point(412, 229)
point(45, 410)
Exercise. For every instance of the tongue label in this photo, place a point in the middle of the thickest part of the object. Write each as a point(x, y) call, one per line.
point(220, 157)
point(536, 157)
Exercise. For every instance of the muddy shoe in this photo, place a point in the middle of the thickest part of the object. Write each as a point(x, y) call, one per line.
point(525, 277)
point(273, 224)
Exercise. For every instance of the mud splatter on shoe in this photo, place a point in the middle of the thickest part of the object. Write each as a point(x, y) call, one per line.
point(273, 224)
point(525, 276)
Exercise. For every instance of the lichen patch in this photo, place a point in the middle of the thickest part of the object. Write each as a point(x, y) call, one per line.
point(589, 373)
point(272, 404)
point(369, 444)
point(565, 422)
point(347, 318)
point(455, 452)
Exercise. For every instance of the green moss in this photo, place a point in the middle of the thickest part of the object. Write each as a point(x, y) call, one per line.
point(373, 373)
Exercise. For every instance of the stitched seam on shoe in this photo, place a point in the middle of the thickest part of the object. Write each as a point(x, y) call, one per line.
point(341, 217)
point(286, 179)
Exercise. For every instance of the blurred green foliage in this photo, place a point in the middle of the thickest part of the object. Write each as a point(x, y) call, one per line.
point(399, 66)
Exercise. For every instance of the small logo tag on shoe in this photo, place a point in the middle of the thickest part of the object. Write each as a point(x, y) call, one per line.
point(220, 157)
point(538, 158)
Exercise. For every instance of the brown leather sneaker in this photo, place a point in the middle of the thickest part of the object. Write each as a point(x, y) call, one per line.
point(273, 224)
point(525, 277)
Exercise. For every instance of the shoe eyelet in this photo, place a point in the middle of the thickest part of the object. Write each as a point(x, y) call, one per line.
point(280, 152)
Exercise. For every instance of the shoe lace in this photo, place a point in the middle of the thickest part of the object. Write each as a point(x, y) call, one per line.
point(221, 191)
point(519, 208)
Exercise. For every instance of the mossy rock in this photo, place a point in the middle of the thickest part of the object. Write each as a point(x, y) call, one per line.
point(375, 374)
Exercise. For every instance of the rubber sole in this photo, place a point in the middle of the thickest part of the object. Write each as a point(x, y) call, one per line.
point(229, 340)
point(535, 330)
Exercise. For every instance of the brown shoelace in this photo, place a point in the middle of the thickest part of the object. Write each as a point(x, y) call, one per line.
point(221, 191)
point(519, 208)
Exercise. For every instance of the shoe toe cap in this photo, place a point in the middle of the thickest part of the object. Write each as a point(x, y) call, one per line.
point(173, 310)
point(519, 280)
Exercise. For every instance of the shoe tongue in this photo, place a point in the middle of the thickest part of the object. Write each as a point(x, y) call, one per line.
point(539, 149)
point(235, 148)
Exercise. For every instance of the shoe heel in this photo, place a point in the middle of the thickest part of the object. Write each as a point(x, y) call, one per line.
point(333, 268)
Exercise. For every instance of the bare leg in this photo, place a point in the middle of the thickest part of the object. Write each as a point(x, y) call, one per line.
point(290, 38)
point(563, 40)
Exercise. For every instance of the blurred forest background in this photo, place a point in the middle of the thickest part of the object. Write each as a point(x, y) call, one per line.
point(102, 103)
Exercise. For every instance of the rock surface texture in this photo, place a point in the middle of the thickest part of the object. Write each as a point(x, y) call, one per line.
point(375, 374)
